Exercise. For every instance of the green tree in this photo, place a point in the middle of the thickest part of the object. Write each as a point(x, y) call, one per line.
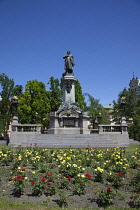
point(130, 100)
point(34, 106)
point(131, 112)
point(17, 91)
point(134, 127)
point(79, 97)
point(55, 94)
point(9, 89)
point(95, 109)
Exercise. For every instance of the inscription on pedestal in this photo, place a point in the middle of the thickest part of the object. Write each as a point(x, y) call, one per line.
point(69, 122)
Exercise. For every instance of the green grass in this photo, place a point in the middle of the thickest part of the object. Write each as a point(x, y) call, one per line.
point(7, 205)
point(131, 149)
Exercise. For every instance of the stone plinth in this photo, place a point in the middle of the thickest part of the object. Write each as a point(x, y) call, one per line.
point(68, 122)
point(68, 82)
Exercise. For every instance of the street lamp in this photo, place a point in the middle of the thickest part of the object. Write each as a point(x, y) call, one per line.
point(99, 119)
point(36, 116)
point(123, 105)
point(92, 121)
point(14, 105)
point(123, 118)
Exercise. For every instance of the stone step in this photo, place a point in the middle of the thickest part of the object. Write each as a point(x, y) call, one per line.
point(134, 142)
point(73, 141)
point(72, 146)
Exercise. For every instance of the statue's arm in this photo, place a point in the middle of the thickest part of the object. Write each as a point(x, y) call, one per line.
point(65, 56)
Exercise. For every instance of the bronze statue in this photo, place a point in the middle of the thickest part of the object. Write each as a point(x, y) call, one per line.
point(69, 62)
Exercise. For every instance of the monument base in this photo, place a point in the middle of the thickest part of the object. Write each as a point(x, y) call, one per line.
point(68, 122)
point(68, 131)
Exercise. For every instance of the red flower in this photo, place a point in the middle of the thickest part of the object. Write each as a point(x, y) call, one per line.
point(23, 169)
point(19, 178)
point(87, 175)
point(48, 183)
point(69, 177)
point(32, 183)
point(108, 189)
point(120, 174)
point(48, 174)
point(43, 179)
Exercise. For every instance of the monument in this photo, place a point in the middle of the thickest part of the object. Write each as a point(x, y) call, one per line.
point(68, 119)
point(69, 124)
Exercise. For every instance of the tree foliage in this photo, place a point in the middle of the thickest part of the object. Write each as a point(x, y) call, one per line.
point(130, 99)
point(79, 96)
point(55, 94)
point(9, 89)
point(95, 109)
point(34, 106)
point(132, 112)
point(134, 127)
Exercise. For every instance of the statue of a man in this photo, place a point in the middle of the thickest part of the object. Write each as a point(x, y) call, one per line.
point(69, 62)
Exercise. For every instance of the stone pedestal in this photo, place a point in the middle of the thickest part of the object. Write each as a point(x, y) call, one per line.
point(69, 122)
point(68, 82)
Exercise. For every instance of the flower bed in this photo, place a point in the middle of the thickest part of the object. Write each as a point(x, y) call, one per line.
point(71, 177)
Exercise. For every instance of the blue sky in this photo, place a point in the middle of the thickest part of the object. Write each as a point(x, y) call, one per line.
point(102, 35)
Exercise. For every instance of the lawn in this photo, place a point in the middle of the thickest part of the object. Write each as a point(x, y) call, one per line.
point(70, 178)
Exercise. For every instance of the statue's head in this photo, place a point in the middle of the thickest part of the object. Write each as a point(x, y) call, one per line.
point(68, 52)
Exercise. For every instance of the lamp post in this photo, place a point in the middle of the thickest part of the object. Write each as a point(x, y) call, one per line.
point(36, 117)
point(14, 105)
point(123, 118)
point(99, 119)
point(92, 121)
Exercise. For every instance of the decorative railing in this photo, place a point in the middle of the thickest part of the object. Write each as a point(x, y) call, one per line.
point(112, 128)
point(26, 128)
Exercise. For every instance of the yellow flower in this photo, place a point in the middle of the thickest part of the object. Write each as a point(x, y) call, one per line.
point(100, 169)
point(119, 163)
point(134, 157)
point(81, 175)
point(5, 155)
point(68, 158)
point(126, 164)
